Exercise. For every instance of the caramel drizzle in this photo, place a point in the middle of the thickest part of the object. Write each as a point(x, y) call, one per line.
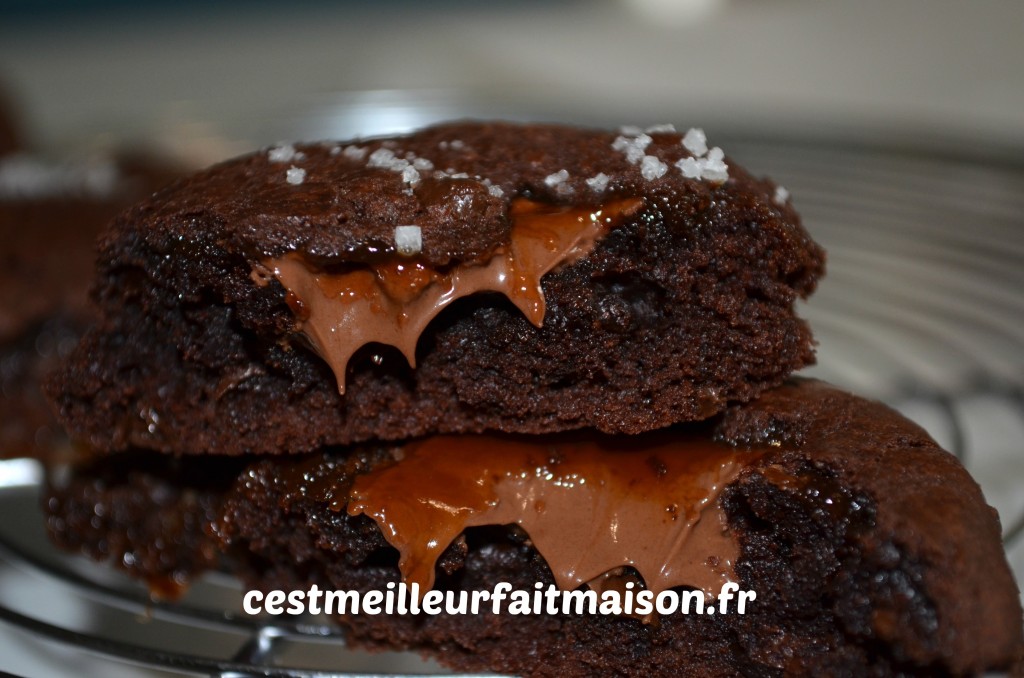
point(393, 303)
point(589, 505)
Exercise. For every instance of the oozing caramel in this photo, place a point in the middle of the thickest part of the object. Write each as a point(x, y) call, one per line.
point(590, 504)
point(393, 303)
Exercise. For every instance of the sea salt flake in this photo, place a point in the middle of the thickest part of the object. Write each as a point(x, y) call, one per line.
point(690, 167)
point(458, 175)
point(282, 153)
point(598, 182)
point(385, 158)
point(496, 191)
point(422, 164)
point(632, 147)
point(408, 240)
point(410, 175)
point(781, 195)
point(716, 154)
point(354, 152)
point(652, 168)
point(715, 172)
point(559, 177)
point(295, 175)
point(631, 130)
point(666, 128)
point(695, 141)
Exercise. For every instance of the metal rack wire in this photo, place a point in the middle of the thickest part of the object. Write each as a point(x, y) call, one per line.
point(939, 336)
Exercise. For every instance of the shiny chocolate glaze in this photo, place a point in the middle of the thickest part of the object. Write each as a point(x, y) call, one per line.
point(393, 303)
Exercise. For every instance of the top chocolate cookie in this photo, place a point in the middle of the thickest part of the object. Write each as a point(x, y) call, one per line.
point(470, 276)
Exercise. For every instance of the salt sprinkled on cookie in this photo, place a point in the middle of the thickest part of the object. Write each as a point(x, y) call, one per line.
point(295, 175)
point(652, 168)
point(408, 240)
point(385, 159)
point(781, 195)
point(559, 177)
point(666, 128)
point(705, 164)
point(695, 141)
point(690, 167)
point(715, 169)
point(633, 146)
point(282, 153)
point(598, 182)
point(354, 152)
point(410, 175)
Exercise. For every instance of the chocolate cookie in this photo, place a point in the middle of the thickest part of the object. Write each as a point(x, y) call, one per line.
point(870, 550)
point(468, 277)
point(51, 214)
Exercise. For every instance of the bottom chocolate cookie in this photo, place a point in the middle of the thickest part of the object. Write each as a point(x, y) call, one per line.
point(868, 550)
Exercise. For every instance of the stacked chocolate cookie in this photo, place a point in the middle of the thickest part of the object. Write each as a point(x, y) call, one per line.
point(51, 212)
point(536, 355)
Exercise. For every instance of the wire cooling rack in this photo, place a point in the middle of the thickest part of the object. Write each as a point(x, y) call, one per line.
point(923, 307)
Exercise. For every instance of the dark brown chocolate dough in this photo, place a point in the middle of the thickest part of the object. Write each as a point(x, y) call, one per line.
point(684, 307)
point(871, 550)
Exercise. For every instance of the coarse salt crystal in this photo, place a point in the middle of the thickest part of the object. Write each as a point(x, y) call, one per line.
point(559, 177)
point(631, 130)
point(459, 175)
point(690, 167)
point(422, 164)
point(282, 153)
point(496, 191)
point(598, 182)
point(781, 195)
point(385, 158)
point(408, 240)
point(410, 175)
point(295, 175)
point(715, 173)
point(716, 154)
point(652, 168)
point(666, 128)
point(695, 141)
point(354, 152)
point(632, 147)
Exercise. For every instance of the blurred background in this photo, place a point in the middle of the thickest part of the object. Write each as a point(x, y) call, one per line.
point(898, 128)
point(182, 72)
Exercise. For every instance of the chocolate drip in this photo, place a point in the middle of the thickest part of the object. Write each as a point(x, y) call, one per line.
point(393, 303)
point(589, 504)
